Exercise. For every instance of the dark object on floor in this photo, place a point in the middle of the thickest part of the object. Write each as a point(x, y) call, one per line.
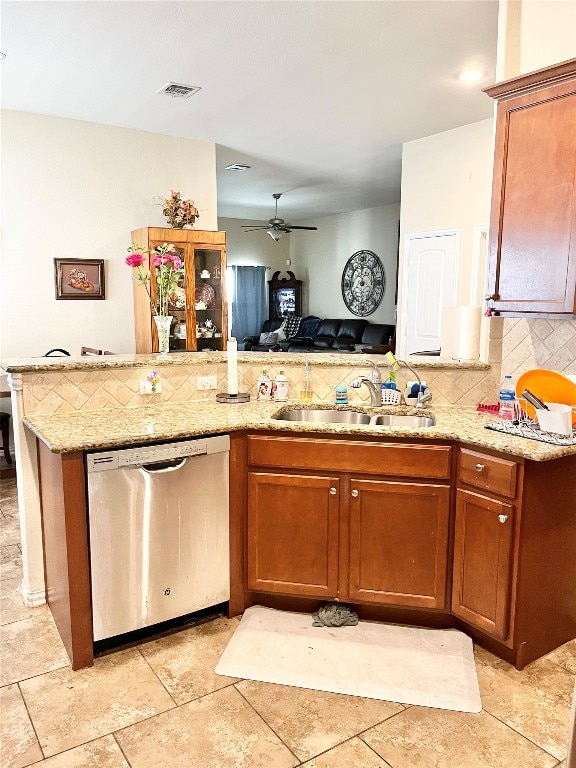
point(335, 615)
point(5, 431)
point(61, 352)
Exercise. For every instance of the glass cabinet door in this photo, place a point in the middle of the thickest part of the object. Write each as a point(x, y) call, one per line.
point(209, 298)
point(178, 306)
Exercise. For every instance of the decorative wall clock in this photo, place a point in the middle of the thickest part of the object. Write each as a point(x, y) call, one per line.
point(363, 283)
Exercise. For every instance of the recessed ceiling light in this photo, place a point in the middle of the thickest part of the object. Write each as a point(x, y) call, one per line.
point(2, 55)
point(470, 75)
point(179, 91)
point(238, 167)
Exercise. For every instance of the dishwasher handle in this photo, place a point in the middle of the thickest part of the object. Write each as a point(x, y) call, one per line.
point(163, 466)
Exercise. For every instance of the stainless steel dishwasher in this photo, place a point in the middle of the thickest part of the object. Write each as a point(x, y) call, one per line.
point(159, 543)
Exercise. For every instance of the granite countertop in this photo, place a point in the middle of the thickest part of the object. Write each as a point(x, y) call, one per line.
point(97, 362)
point(120, 427)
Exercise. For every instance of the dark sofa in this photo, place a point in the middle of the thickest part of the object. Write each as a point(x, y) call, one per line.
point(329, 335)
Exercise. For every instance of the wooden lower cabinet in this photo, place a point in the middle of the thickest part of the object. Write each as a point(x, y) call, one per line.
point(483, 552)
point(399, 543)
point(299, 527)
point(293, 534)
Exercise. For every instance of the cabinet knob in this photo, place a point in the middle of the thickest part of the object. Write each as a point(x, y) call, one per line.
point(354, 493)
point(479, 467)
point(333, 491)
point(502, 518)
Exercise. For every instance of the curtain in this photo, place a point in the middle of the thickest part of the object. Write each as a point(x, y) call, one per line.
point(249, 308)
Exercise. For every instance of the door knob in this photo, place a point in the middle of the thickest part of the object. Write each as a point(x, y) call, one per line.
point(479, 467)
point(333, 491)
point(502, 518)
point(354, 493)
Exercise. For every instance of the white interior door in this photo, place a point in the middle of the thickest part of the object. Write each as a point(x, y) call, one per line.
point(430, 283)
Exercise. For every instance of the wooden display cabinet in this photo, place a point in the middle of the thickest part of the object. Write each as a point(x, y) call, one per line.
point(198, 305)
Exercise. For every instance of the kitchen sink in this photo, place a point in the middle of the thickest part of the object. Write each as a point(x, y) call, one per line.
point(325, 415)
point(333, 416)
point(402, 420)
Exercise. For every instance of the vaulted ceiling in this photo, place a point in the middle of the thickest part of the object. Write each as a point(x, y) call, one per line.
point(317, 97)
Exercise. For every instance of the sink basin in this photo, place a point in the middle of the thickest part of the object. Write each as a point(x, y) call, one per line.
point(332, 416)
point(402, 420)
point(325, 415)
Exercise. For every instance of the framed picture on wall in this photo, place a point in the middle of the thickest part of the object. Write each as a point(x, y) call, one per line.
point(79, 278)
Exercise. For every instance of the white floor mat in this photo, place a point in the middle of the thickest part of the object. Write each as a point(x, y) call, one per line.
point(427, 667)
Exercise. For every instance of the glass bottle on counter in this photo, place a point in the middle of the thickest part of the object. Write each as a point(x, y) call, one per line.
point(264, 386)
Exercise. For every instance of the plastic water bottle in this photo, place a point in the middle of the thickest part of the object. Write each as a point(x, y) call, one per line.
point(507, 399)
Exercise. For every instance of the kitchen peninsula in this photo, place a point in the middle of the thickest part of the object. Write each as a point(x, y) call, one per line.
point(448, 525)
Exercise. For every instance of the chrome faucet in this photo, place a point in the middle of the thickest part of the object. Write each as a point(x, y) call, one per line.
point(374, 384)
point(394, 364)
point(375, 376)
point(375, 394)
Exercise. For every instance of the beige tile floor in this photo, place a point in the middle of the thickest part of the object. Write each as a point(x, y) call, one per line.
point(160, 705)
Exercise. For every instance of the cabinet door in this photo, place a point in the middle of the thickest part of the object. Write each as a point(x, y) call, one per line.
point(208, 297)
point(399, 543)
point(533, 232)
point(293, 534)
point(482, 583)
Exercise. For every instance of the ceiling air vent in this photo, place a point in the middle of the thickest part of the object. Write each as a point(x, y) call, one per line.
point(179, 91)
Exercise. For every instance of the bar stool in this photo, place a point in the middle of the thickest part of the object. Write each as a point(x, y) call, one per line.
point(5, 431)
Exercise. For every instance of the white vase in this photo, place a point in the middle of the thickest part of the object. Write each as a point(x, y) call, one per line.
point(163, 323)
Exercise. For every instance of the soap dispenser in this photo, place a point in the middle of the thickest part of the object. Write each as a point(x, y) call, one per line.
point(264, 386)
point(306, 391)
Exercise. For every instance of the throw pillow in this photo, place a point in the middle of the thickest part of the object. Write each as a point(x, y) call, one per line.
point(269, 339)
point(280, 332)
point(291, 326)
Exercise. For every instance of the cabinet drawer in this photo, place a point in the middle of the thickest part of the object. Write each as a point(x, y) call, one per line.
point(394, 459)
point(487, 472)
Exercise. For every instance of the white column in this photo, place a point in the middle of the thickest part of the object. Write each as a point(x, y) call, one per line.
point(33, 582)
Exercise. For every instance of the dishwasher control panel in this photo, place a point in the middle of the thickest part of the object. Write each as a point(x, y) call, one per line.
point(151, 454)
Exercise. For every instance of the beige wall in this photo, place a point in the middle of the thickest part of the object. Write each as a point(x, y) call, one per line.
point(533, 34)
point(254, 249)
point(76, 190)
point(319, 257)
point(447, 184)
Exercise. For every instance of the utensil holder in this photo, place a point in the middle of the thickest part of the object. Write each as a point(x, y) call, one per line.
point(557, 419)
point(391, 396)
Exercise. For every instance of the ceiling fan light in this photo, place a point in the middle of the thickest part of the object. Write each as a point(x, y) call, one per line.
point(275, 234)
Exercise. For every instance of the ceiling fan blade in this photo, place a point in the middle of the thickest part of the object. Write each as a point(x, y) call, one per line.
point(254, 229)
point(293, 226)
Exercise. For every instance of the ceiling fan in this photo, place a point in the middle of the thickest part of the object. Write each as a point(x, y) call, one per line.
point(276, 227)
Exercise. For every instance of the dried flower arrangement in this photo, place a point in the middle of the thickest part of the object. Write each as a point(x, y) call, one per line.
point(178, 212)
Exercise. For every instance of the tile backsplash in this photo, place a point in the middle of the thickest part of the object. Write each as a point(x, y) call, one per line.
point(67, 391)
point(528, 344)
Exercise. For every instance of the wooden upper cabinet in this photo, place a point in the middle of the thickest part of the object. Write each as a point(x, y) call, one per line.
point(532, 265)
point(198, 305)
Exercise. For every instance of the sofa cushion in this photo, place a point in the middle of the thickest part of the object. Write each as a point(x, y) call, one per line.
point(327, 333)
point(271, 339)
point(377, 334)
point(349, 333)
point(309, 326)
